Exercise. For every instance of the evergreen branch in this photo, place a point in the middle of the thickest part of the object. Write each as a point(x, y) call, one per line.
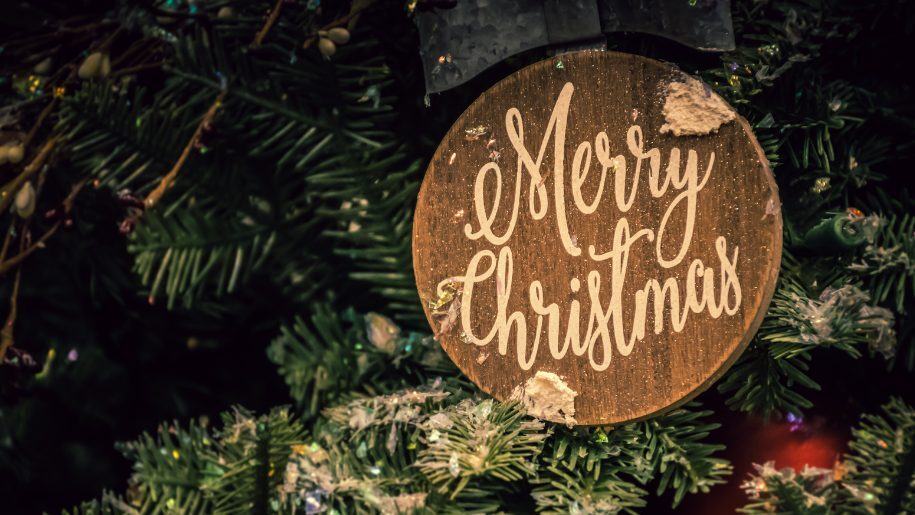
point(888, 261)
point(760, 383)
point(170, 468)
point(799, 321)
point(364, 463)
point(881, 464)
point(110, 505)
point(809, 491)
point(116, 138)
point(194, 250)
point(251, 98)
point(875, 477)
point(333, 355)
point(249, 452)
point(481, 440)
point(584, 471)
point(677, 456)
point(901, 495)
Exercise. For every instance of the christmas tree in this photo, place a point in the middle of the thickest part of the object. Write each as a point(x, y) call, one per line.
point(210, 305)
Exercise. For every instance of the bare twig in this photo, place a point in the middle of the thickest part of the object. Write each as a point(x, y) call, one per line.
point(41, 118)
point(9, 189)
point(7, 239)
point(6, 334)
point(146, 46)
point(271, 20)
point(169, 178)
point(8, 264)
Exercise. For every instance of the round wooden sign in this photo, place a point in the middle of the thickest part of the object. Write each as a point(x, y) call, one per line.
point(597, 236)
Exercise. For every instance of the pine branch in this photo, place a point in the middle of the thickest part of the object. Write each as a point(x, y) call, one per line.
point(801, 320)
point(112, 505)
point(881, 456)
point(200, 249)
point(678, 457)
point(481, 440)
point(251, 454)
point(585, 471)
point(888, 261)
point(119, 140)
point(170, 468)
point(875, 477)
point(759, 383)
point(331, 356)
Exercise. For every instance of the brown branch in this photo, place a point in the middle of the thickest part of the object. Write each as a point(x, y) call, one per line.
point(60, 30)
point(144, 45)
point(8, 264)
point(106, 43)
point(169, 178)
point(137, 68)
point(70, 69)
point(7, 239)
point(336, 23)
point(6, 334)
point(14, 261)
point(202, 17)
point(271, 20)
point(41, 118)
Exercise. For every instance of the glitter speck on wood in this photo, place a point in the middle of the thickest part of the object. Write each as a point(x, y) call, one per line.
point(476, 132)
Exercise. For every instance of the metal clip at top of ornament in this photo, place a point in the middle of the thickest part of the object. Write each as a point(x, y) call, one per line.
point(458, 42)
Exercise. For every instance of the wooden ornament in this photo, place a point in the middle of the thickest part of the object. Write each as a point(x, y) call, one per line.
point(598, 236)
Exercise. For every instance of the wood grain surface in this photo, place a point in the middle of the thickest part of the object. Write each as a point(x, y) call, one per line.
point(613, 92)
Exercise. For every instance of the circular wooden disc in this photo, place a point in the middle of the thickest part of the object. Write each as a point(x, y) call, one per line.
point(617, 105)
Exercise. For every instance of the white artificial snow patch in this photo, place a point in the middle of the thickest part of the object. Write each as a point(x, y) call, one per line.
point(692, 109)
point(546, 396)
point(772, 207)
